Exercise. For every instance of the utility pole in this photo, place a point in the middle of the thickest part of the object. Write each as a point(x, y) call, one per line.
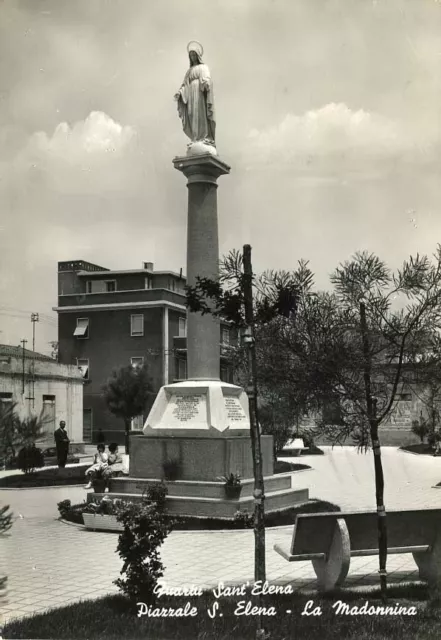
point(259, 492)
point(23, 344)
point(34, 318)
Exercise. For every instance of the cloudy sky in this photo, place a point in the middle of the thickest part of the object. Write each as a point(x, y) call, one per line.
point(328, 112)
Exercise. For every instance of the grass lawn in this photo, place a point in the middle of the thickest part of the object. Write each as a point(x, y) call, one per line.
point(112, 617)
point(280, 466)
point(423, 449)
point(46, 478)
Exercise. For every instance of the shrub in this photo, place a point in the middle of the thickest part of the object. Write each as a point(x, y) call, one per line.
point(64, 507)
point(244, 520)
point(30, 458)
point(145, 529)
point(5, 525)
point(157, 493)
point(420, 429)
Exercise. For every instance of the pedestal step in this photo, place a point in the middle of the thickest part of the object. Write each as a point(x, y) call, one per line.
point(198, 488)
point(204, 506)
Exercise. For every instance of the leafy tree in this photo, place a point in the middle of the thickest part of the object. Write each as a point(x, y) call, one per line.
point(128, 393)
point(16, 432)
point(383, 318)
point(8, 436)
point(426, 385)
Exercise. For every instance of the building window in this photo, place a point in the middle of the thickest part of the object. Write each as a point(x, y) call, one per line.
point(89, 286)
point(404, 397)
point(82, 329)
point(182, 328)
point(110, 285)
point(83, 366)
point(224, 374)
point(137, 325)
point(180, 369)
point(148, 284)
point(5, 397)
point(48, 413)
point(137, 362)
point(225, 336)
point(138, 423)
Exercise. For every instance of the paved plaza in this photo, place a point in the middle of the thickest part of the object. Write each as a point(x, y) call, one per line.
point(51, 564)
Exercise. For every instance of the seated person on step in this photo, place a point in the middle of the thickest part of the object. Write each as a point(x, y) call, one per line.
point(115, 464)
point(99, 461)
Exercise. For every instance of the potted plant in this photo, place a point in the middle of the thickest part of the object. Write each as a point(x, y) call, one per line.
point(102, 515)
point(232, 486)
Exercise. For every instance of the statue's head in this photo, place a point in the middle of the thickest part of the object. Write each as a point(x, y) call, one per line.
point(195, 58)
point(195, 51)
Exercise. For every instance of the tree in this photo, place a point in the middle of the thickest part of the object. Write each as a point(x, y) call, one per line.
point(17, 432)
point(128, 393)
point(383, 318)
point(426, 385)
point(8, 436)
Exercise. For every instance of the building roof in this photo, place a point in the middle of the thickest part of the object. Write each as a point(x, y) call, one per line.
point(17, 352)
point(108, 273)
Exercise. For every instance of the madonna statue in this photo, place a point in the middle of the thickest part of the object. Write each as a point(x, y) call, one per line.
point(195, 100)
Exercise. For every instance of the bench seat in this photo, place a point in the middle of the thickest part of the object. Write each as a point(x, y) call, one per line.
point(329, 540)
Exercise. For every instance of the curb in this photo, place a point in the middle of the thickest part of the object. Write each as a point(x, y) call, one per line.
point(58, 486)
point(192, 531)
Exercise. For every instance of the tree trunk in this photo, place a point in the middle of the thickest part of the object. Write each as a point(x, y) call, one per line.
point(127, 434)
point(371, 404)
point(259, 493)
point(381, 510)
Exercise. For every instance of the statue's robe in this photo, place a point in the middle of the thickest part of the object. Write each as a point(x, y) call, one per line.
point(196, 104)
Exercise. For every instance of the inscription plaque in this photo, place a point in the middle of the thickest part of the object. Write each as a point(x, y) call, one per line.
point(186, 407)
point(235, 412)
point(186, 411)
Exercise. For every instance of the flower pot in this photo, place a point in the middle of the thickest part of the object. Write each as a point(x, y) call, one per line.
point(101, 522)
point(99, 486)
point(232, 492)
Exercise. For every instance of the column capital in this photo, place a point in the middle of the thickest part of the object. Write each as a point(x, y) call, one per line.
point(201, 168)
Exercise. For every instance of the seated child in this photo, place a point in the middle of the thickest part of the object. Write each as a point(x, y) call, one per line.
point(99, 461)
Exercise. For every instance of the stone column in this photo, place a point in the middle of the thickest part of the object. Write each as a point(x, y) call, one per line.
point(203, 332)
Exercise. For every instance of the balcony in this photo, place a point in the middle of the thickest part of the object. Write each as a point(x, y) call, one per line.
point(226, 350)
point(120, 297)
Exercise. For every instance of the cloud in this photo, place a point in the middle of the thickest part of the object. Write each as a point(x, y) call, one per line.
point(332, 131)
point(96, 135)
point(93, 155)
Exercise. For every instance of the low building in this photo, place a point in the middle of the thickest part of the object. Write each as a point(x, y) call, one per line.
point(38, 385)
point(110, 319)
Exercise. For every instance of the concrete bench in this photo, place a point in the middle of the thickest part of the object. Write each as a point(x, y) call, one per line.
point(329, 540)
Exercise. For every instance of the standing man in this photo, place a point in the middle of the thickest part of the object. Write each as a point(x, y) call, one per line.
point(62, 444)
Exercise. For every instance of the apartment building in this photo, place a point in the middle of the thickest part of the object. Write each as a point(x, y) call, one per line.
point(109, 319)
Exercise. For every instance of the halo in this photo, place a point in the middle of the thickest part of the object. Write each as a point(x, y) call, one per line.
point(194, 45)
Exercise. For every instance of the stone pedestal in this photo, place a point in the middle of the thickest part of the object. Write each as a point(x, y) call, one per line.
point(203, 426)
point(202, 459)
